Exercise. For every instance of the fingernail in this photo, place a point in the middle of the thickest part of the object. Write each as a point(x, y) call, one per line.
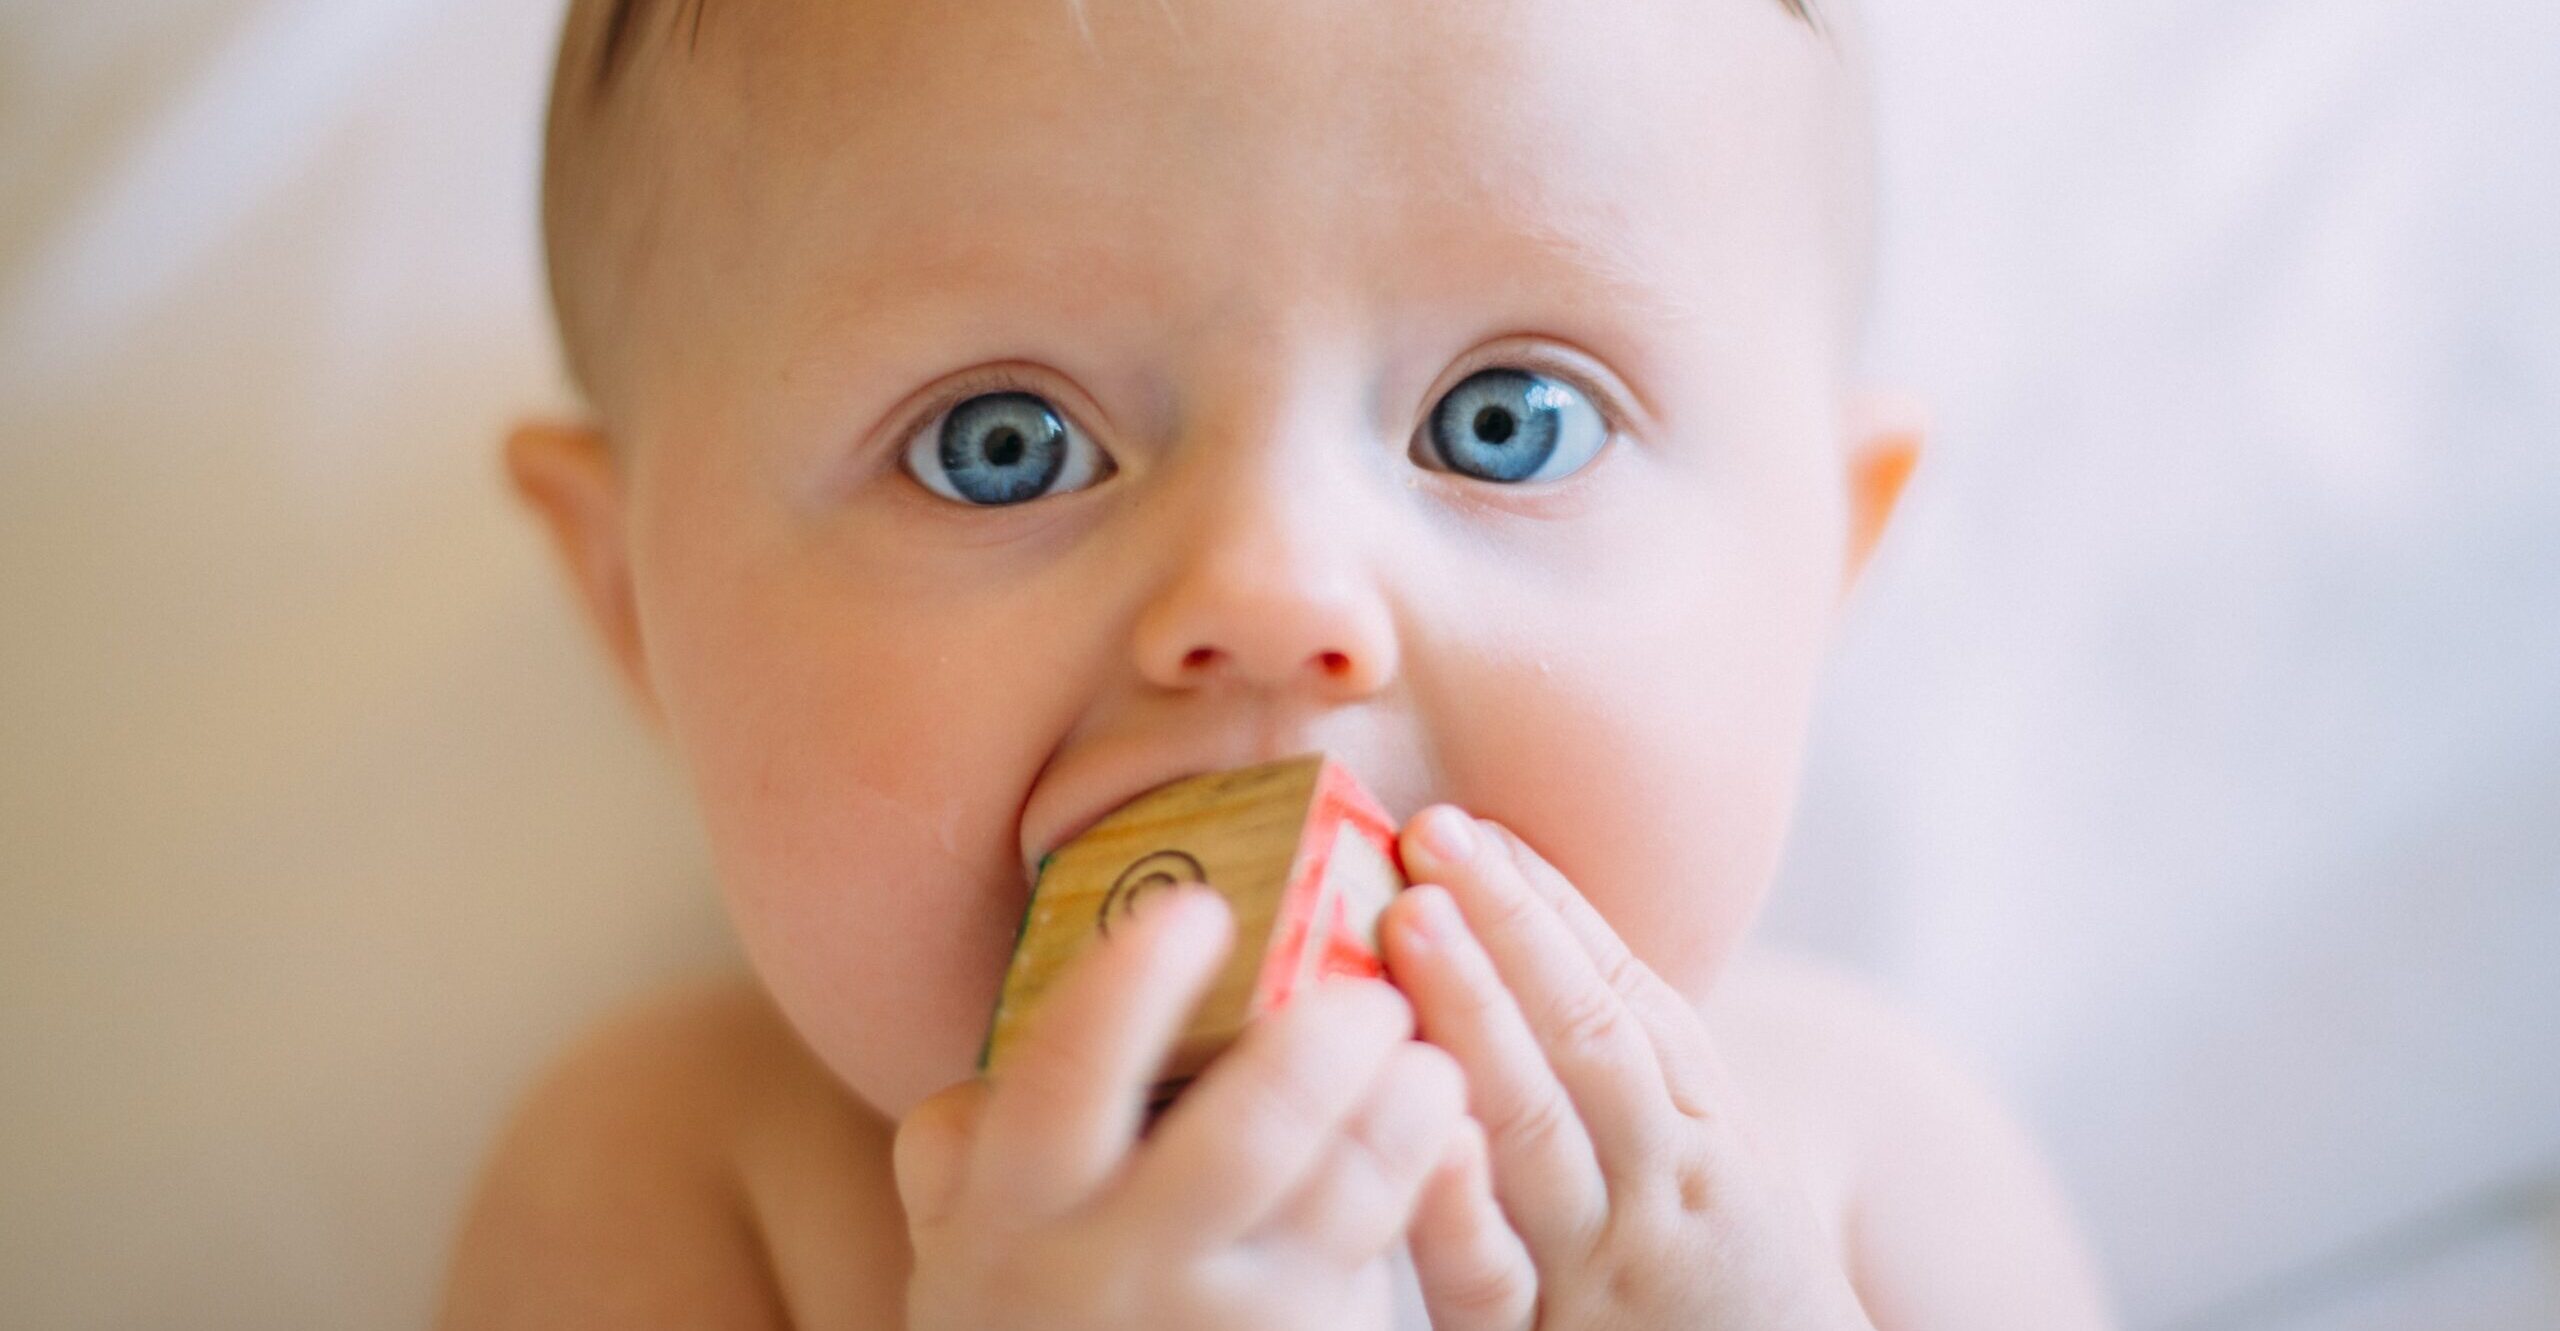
point(1449, 835)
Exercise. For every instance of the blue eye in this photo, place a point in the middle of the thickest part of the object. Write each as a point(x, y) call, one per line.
point(1512, 426)
point(997, 449)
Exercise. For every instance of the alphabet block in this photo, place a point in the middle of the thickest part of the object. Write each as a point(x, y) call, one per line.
point(1305, 858)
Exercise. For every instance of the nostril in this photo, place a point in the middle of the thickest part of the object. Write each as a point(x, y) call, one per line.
point(1335, 663)
point(1199, 658)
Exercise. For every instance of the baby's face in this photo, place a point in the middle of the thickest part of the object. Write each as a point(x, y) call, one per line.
point(1011, 421)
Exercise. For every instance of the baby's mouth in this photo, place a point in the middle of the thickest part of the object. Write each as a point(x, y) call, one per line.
point(1088, 783)
point(1109, 801)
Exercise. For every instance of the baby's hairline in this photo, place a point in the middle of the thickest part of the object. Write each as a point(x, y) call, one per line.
point(603, 36)
point(625, 16)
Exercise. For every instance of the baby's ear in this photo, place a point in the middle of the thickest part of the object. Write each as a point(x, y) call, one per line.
point(569, 475)
point(1883, 435)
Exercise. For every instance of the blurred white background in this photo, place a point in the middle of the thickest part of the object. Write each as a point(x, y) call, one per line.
point(2193, 759)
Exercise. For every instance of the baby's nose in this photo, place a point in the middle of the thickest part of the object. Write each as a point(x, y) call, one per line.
point(1273, 614)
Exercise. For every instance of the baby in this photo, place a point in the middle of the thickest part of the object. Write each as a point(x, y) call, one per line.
point(1002, 407)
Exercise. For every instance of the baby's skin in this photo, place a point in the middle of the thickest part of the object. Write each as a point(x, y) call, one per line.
point(1003, 407)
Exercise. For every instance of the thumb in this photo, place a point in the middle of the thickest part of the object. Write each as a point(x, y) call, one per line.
point(932, 1147)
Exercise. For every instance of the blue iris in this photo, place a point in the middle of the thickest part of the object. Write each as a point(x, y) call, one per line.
point(1003, 448)
point(1501, 425)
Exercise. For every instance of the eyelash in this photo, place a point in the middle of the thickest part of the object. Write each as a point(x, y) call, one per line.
point(993, 379)
point(1539, 363)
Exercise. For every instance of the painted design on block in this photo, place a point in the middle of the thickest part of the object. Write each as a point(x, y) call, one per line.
point(1303, 856)
point(1152, 872)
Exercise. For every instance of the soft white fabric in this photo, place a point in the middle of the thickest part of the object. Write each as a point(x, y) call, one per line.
point(2192, 759)
point(2197, 748)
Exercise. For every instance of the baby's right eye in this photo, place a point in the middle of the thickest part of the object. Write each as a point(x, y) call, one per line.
point(998, 449)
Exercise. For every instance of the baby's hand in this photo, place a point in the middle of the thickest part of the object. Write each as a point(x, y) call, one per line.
point(1267, 1196)
point(1634, 1195)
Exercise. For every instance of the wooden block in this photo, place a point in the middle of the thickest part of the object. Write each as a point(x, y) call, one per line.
point(1305, 858)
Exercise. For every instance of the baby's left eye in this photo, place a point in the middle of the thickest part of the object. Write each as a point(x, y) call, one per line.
point(1514, 427)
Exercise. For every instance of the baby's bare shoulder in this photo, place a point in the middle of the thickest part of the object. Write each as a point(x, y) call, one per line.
point(680, 1165)
point(1946, 1210)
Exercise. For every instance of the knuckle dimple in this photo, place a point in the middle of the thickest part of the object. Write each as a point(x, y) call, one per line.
point(1536, 1122)
point(1480, 1292)
point(1697, 1191)
point(1515, 907)
point(1586, 1021)
point(1631, 1284)
point(1620, 970)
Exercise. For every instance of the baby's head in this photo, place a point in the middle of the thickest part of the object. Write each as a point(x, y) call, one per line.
point(1006, 406)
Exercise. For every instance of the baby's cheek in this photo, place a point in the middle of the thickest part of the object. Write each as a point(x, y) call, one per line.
point(1671, 836)
point(862, 825)
point(1656, 771)
point(884, 951)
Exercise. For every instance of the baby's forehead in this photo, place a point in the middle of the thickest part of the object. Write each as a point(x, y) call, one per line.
point(1153, 149)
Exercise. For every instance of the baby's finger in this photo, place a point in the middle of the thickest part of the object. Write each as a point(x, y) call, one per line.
point(1361, 1196)
point(1592, 1038)
point(1681, 1043)
point(1475, 1273)
point(931, 1143)
point(1065, 1107)
point(1545, 1163)
point(1239, 1141)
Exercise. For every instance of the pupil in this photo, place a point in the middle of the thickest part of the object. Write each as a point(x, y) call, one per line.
point(1006, 449)
point(1494, 425)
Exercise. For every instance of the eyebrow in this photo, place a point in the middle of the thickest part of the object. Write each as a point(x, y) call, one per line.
point(627, 14)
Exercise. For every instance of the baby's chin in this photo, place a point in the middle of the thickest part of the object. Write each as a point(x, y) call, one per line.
point(890, 1036)
point(889, 987)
